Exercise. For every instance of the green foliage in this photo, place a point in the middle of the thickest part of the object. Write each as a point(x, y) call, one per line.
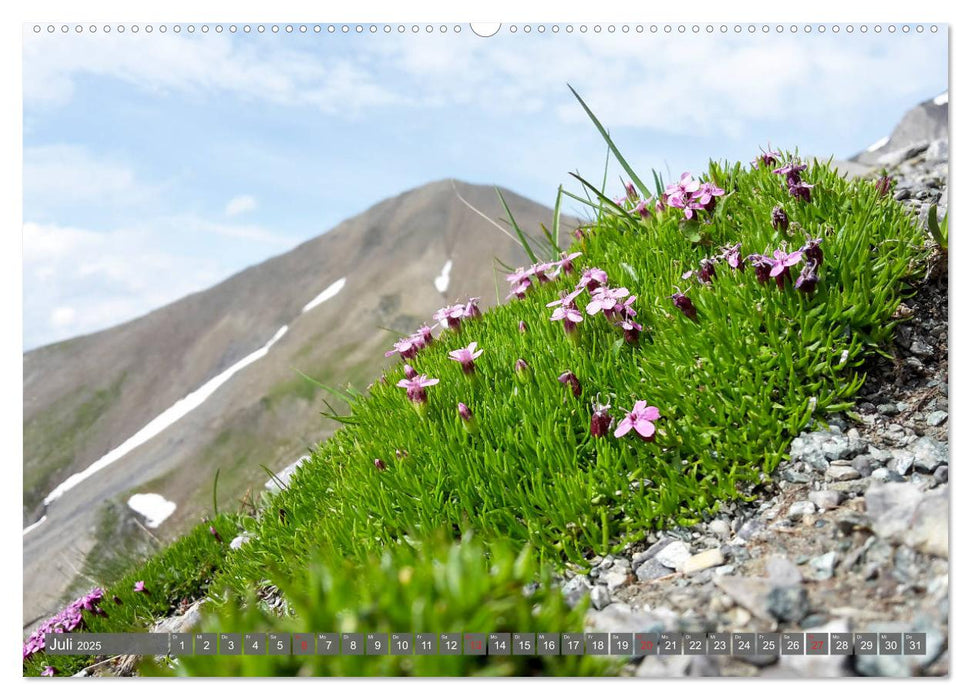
point(733, 389)
point(435, 586)
point(181, 571)
point(759, 365)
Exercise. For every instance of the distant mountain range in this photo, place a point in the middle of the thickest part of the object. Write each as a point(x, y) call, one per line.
point(158, 404)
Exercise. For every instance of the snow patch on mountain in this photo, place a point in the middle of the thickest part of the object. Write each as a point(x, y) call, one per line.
point(162, 421)
point(443, 279)
point(329, 293)
point(154, 507)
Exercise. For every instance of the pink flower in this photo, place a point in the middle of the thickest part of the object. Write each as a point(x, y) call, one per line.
point(762, 266)
point(565, 263)
point(406, 347)
point(424, 334)
point(682, 189)
point(767, 158)
point(641, 420)
point(600, 420)
point(410, 372)
point(570, 379)
point(472, 308)
point(705, 196)
point(643, 208)
point(606, 300)
point(467, 356)
point(379, 465)
point(450, 316)
point(781, 262)
point(416, 388)
point(48, 671)
point(464, 413)
point(522, 326)
point(591, 278)
point(539, 270)
point(684, 304)
point(139, 587)
point(519, 282)
point(733, 256)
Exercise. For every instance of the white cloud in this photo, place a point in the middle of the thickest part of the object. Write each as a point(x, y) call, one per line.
point(240, 204)
point(67, 175)
point(198, 65)
point(63, 316)
point(94, 279)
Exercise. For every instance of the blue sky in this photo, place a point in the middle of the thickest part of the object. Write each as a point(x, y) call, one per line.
point(157, 165)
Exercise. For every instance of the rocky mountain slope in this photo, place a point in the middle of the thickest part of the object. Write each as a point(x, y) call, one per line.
point(323, 309)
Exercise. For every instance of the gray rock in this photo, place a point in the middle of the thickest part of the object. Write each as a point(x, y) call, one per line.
point(929, 453)
point(841, 473)
point(935, 418)
point(937, 152)
point(825, 500)
point(575, 589)
point(599, 597)
point(888, 409)
point(823, 565)
point(941, 474)
point(652, 569)
point(921, 349)
point(189, 620)
point(901, 462)
point(780, 571)
point(750, 529)
point(800, 509)
point(788, 603)
point(863, 464)
point(720, 529)
point(808, 448)
point(651, 551)
point(673, 555)
point(836, 447)
point(904, 514)
point(617, 577)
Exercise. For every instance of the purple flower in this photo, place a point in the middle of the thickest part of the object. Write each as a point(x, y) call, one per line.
point(424, 334)
point(684, 305)
point(416, 388)
point(733, 256)
point(379, 465)
point(884, 185)
point(139, 587)
point(464, 413)
point(705, 196)
point(791, 171)
point(807, 280)
point(539, 270)
point(762, 266)
point(116, 600)
point(813, 252)
point(212, 531)
point(641, 420)
point(682, 189)
point(631, 191)
point(467, 356)
point(472, 308)
point(767, 158)
point(48, 671)
point(406, 347)
point(522, 327)
point(643, 208)
point(578, 233)
point(591, 278)
point(566, 310)
point(780, 220)
point(781, 262)
point(570, 379)
point(706, 270)
point(600, 420)
point(801, 190)
point(632, 330)
point(606, 300)
point(410, 372)
point(519, 283)
point(520, 366)
point(565, 263)
point(450, 316)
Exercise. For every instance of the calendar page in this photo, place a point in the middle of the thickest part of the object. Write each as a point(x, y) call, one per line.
point(435, 348)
